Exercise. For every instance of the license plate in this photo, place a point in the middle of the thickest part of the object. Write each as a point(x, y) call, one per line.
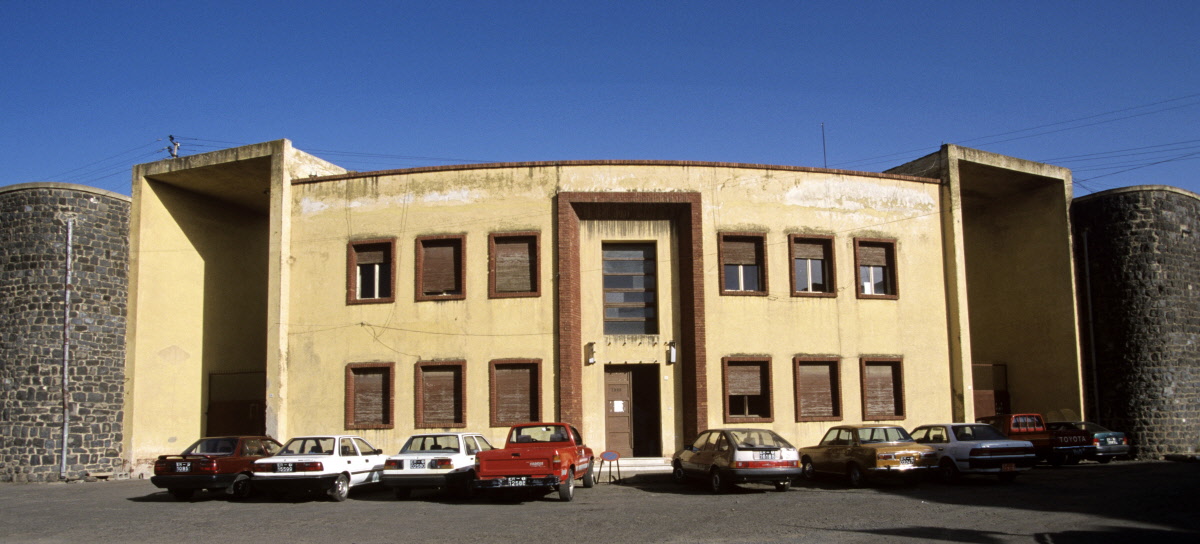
point(283, 467)
point(764, 455)
point(515, 481)
point(1113, 440)
point(183, 467)
point(906, 460)
point(1008, 467)
point(416, 464)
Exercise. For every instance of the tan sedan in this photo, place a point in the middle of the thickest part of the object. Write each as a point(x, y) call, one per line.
point(867, 451)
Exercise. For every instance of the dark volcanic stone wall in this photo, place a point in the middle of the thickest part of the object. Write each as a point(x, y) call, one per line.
point(33, 236)
point(1142, 260)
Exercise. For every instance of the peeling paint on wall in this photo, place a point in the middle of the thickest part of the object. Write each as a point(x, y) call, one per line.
point(855, 195)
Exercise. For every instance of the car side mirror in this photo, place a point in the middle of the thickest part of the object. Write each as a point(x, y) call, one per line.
point(692, 449)
point(378, 452)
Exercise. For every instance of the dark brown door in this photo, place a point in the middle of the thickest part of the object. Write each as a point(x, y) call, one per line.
point(618, 400)
point(991, 389)
point(237, 403)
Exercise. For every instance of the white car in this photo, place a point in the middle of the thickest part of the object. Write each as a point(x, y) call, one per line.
point(319, 464)
point(964, 448)
point(440, 460)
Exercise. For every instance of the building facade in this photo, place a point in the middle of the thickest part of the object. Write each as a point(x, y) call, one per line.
point(63, 263)
point(642, 301)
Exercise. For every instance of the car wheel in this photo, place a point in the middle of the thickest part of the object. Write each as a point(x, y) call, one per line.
point(1104, 460)
point(403, 492)
point(340, 488)
point(716, 482)
point(566, 490)
point(589, 479)
point(949, 471)
point(678, 474)
point(854, 475)
point(1008, 477)
point(807, 470)
point(181, 494)
point(240, 488)
point(783, 486)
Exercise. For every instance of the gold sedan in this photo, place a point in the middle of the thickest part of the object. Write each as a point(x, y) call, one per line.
point(867, 451)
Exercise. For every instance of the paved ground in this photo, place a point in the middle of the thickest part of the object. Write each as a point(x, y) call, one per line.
point(1120, 502)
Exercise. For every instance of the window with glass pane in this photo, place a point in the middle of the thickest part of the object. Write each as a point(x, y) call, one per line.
point(876, 268)
point(630, 289)
point(812, 260)
point(742, 264)
point(747, 389)
point(371, 267)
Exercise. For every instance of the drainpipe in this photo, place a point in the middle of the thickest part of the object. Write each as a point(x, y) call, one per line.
point(66, 360)
point(1087, 288)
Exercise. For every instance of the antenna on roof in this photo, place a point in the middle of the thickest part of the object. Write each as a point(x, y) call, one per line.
point(173, 149)
point(824, 156)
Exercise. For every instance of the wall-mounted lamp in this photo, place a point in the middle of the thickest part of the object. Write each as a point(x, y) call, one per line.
point(671, 352)
point(589, 353)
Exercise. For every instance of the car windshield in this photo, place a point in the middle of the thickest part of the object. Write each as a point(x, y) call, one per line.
point(544, 433)
point(875, 435)
point(430, 443)
point(978, 432)
point(757, 439)
point(212, 446)
point(308, 446)
point(1093, 428)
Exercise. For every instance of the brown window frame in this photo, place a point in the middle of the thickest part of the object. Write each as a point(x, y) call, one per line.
point(891, 273)
point(419, 292)
point(829, 269)
point(898, 391)
point(390, 400)
point(836, 393)
point(765, 363)
point(760, 239)
point(536, 265)
point(419, 394)
point(352, 253)
point(536, 401)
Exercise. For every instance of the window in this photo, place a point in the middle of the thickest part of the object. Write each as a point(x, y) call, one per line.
point(440, 267)
point(818, 389)
point(876, 260)
point(513, 267)
point(370, 271)
point(369, 397)
point(515, 387)
point(441, 394)
point(747, 389)
point(630, 298)
point(812, 266)
point(743, 264)
point(882, 389)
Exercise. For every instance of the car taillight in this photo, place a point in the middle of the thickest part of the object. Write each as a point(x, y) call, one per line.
point(393, 464)
point(929, 455)
point(311, 466)
point(1125, 440)
point(886, 456)
point(160, 466)
point(207, 465)
point(441, 463)
point(557, 458)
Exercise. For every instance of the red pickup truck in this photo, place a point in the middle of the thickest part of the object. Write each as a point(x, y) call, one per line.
point(1056, 446)
point(537, 456)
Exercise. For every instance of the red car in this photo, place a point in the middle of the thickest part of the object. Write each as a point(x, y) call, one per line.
point(221, 464)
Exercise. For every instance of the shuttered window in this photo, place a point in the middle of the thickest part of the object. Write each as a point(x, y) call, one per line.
point(630, 289)
point(747, 389)
point(441, 395)
point(369, 398)
point(514, 265)
point(440, 268)
point(818, 390)
point(743, 264)
point(515, 385)
point(812, 266)
point(876, 262)
point(883, 389)
point(370, 271)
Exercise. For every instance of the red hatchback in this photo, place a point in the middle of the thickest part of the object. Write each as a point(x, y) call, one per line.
point(218, 464)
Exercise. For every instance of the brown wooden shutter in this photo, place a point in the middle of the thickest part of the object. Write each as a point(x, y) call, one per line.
point(370, 396)
point(881, 389)
point(745, 379)
point(872, 255)
point(514, 264)
point(441, 395)
point(439, 267)
point(370, 255)
point(740, 250)
point(516, 393)
point(808, 250)
point(818, 387)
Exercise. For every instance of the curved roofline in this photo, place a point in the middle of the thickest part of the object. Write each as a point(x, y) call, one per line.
point(66, 186)
point(540, 164)
point(1138, 189)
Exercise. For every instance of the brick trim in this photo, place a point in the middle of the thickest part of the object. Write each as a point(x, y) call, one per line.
point(862, 379)
point(419, 258)
point(389, 382)
point(725, 389)
point(837, 371)
point(352, 271)
point(537, 264)
point(493, 417)
point(419, 394)
point(893, 272)
point(830, 266)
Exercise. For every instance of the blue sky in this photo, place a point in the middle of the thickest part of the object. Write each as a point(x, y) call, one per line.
point(1108, 89)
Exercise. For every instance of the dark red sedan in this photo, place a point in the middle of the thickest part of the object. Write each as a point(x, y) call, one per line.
point(221, 464)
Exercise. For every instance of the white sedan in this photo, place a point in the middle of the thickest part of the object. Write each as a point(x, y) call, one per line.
point(975, 448)
point(440, 460)
point(321, 464)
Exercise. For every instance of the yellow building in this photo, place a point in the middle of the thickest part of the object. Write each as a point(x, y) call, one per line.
point(642, 301)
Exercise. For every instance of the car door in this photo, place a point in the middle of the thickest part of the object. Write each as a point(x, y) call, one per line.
point(696, 459)
point(371, 462)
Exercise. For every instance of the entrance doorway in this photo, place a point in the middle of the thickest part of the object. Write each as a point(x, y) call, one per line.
point(633, 410)
point(237, 403)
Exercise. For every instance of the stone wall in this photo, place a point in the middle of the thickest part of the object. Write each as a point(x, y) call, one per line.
point(33, 256)
point(1138, 258)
